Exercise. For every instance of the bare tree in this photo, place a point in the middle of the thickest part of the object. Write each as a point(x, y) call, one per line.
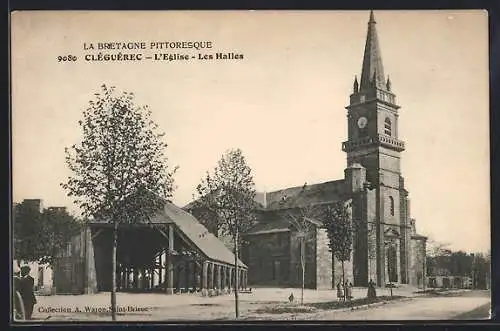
point(436, 248)
point(304, 220)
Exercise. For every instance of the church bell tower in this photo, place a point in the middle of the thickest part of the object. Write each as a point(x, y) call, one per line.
point(373, 142)
point(372, 117)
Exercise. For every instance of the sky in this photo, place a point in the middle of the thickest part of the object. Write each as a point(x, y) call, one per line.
point(282, 104)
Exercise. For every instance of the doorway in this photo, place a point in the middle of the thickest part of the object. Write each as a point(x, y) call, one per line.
point(392, 260)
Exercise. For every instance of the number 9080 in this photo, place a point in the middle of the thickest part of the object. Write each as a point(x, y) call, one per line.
point(66, 58)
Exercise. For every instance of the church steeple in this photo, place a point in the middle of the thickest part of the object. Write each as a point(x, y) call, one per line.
point(372, 116)
point(372, 72)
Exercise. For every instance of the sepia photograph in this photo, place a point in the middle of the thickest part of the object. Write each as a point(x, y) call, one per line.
point(250, 166)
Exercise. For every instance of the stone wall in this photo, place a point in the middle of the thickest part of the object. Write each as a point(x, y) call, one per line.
point(74, 266)
point(371, 216)
point(404, 220)
point(390, 199)
point(310, 258)
point(268, 258)
point(90, 272)
point(416, 270)
point(390, 160)
point(323, 260)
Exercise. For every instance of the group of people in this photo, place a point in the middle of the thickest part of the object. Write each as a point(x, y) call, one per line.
point(23, 286)
point(344, 291)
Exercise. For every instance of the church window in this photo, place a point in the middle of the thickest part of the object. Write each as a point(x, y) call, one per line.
point(391, 205)
point(388, 126)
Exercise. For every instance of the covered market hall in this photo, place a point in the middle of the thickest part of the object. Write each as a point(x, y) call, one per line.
point(174, 253)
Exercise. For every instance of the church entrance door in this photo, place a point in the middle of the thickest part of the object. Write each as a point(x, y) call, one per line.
point(392, 264)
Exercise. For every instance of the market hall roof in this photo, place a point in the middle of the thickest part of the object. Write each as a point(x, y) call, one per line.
point(208, 243)
point(193, 230)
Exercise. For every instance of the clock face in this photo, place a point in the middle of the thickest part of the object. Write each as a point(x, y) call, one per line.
point(362, 121)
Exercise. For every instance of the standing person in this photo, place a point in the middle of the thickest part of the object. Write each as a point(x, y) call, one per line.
point(371, 290)
point(350, 291)
point(26, 289)
point(18, 308)
point(347, 290)
point(340, 295)
point(369, 294)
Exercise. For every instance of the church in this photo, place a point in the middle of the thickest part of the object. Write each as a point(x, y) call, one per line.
point(386, 247)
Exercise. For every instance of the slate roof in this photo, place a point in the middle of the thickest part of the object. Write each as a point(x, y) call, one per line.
point(298, 196)
point(280, 225)
point(301, 196)
point(292, 197)
point(372, 59)
point(211, 246)
point(258, 199)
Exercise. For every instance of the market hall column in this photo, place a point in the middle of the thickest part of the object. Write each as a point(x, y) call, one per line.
point(212, 274)
point(169, 274)
point(204, 275)
point(219, 279)
point(224, 277)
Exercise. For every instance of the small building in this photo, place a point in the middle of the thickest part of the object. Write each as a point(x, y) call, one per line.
point(173, 253)
point(417, 262)
point(449, 282)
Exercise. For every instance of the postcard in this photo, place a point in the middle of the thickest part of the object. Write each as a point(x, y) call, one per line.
point(250, 165)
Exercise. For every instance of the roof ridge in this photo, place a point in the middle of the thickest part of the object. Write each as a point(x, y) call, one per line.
point(307, 185)
point(189, 221)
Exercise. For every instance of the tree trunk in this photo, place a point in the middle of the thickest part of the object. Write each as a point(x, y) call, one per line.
point(303, 264)
point(424, 275)
point(343, 280)
point(333, 272)
point(236, 280)
point(113, 272)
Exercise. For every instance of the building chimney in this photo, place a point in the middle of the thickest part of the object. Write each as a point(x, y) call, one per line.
point(265, 199)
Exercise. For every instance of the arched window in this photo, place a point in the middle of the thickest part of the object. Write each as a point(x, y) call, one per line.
point(388, 126)
point(391, 205)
